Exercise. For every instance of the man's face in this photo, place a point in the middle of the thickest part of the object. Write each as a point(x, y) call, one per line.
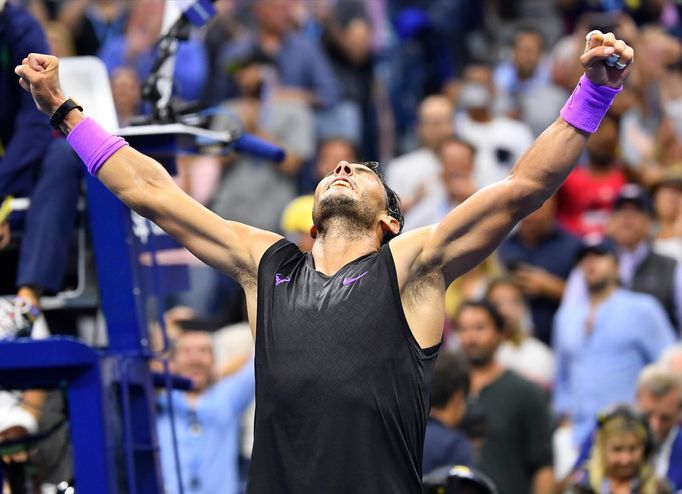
point(599, 270)
point(527, 53)
point(623, 456)
point(508, 301)
point(351, 192)
point(194, 358)
point(539, 223)
point(662, 412)
point(436, 121)
point(478, 336)
point(629, 226)
point(331, 154)
point(457, 162)
point(274, 16)
point(603, 144)
point(668, 202)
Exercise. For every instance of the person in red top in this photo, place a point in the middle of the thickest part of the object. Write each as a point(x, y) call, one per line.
point(586, 198)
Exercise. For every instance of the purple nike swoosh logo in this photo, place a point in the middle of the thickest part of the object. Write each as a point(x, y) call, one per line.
point(279, 279)
point(350, 281)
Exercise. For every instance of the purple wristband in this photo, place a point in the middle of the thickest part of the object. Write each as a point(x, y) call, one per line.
point(93, 144)
point(588, 104)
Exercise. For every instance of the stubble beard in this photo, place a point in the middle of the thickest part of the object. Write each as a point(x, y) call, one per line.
point(343, 214)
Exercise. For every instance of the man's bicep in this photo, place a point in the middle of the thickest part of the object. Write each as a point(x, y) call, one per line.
point(228, 246)
point(145, 186)
point(472, 231)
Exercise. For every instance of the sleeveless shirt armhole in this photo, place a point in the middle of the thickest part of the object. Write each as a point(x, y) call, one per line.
point(422, 353)
point(264, 260)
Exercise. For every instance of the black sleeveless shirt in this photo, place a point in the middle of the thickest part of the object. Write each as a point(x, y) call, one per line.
point(342, 386)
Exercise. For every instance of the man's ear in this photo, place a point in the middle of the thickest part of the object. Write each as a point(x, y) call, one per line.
point(389, 224)
point(313, 231)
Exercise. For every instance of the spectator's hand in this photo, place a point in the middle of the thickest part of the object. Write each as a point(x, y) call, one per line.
point(599, 48)
point(11, 434)
point(4, 234)
point(39, 74)
point(535, 281)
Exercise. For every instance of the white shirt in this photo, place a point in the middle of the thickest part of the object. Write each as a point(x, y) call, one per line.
point(662, 457)
point(499, 144)
point(412, 171)
point(532, 359)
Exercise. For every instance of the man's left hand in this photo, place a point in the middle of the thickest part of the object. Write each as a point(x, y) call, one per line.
point(607, 61)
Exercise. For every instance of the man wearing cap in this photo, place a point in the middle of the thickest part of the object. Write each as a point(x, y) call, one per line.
point(640, 268)
point(603, 342)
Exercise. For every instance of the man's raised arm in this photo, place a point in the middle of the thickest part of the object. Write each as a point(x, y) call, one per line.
point(144, 185)
point(471, 231)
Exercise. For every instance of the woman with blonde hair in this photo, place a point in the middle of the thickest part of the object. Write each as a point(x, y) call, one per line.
point(619, 461)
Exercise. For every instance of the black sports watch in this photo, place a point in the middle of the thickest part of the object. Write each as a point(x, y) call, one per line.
point(58, 116)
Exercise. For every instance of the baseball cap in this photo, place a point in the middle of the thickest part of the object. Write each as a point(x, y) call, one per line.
point(597, 244)
point(298, 215)
point(457, 479)
point(636, 195)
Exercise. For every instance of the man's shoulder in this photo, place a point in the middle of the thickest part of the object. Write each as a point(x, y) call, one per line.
point(519, 387)
point(636, 301)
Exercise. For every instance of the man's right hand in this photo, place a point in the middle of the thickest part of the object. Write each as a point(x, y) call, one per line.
point(39, 74)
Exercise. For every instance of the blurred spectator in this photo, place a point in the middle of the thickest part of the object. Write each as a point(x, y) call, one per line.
point(347, 41)
point(136, 48)
point(60, 40)
point(472, 285)
point(672, 359)
point(652, 90)
point(434, 43)
point(206, 418)
point(659, 399)
point(24, 137)
point(330, 152)
point(521, 352)
point(641, 269)
point(222, 29)
point(125, 89)
point(443, 443)
point(540, 255)
point(587, 195)
point(456, 159)
point(524, 82)
point(667, 196)
point(602, 343)
point(619, 459)
point(297, 220)
point(254, 190)
point(416, 175)
point(516, 452)
point(526, 69)
point(499, 140)
point(93, 23)
point(303, 70)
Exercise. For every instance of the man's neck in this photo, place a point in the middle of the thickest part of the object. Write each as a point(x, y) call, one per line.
point(442, 416)
point(337, 248)
point(599, 296)
point(485, 375)
point(270, 42)
point(600, 170)
point(480, 115)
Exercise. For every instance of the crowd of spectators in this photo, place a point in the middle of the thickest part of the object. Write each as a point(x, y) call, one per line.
point(575, 312)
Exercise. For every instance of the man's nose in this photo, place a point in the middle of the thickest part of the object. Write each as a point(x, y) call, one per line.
point(343, 168)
